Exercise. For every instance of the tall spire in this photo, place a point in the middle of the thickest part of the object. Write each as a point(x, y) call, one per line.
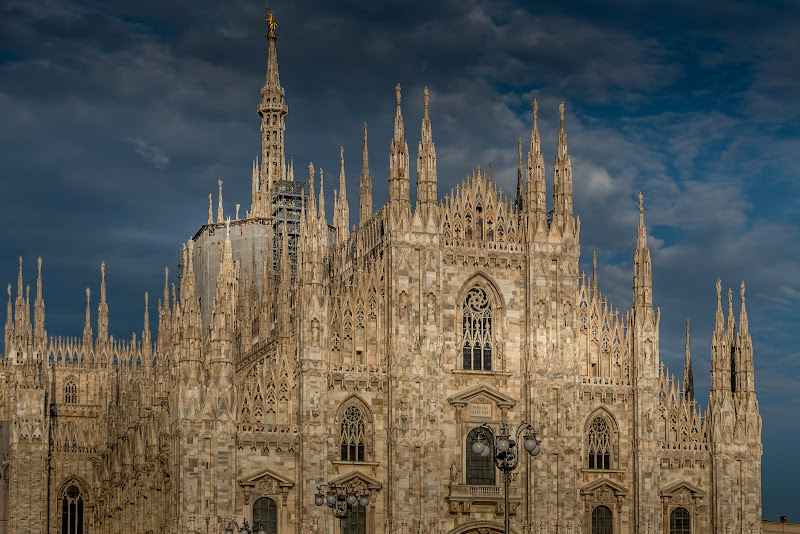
point(87, 325)
point(562, 181)
point(342, 209)
point(688, 377)
point(426, 167)
point(39, 333)
point(273, 110)
point(311, 211)
point(519, 196)
point(9, 324)
point(21, 320)
point(744, 353)
point(720, 351)
point(399, 199)
point(365, 189)
point(102, 308)
point(220, 213)
point(322, 217)
point(147, 344)
point(536, 188)
point(642, 268)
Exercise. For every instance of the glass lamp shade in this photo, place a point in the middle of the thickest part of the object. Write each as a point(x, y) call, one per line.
point(331, 499)
point(364, 501)
point(487, 450)
point(529, 444)
point(478, 447)
point(229, 530)
point(319, 500)
point(352, 499)
point(262, 531)
point(535, 450)
point(503, 444)
point(244, 530)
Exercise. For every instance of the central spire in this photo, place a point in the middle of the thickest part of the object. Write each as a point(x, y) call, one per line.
point(273, 110)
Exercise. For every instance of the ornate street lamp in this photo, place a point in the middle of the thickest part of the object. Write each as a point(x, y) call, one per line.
point(342, 499)
point(506, 452)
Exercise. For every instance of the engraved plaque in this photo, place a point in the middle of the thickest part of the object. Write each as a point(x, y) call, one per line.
point(480, 410)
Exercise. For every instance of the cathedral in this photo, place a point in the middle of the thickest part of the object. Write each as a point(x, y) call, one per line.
point(291, 353)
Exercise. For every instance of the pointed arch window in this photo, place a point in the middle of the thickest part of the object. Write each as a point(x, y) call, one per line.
point(602, 520)
point(72, 510)
point(352, 437)
point(265, 516)
point(480, 469)
point(71, 392)
point(599, 446)
point(477, 339)
point(680, 521)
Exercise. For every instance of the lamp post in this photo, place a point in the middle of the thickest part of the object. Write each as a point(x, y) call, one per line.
point(506, 452)
point(342, 499)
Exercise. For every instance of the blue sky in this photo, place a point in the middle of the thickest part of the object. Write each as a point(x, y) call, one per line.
point(119, 117)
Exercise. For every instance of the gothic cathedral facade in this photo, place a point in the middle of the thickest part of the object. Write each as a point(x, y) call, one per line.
point(295, 353)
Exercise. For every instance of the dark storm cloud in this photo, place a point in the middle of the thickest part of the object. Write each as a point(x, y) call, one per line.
point(120, 117)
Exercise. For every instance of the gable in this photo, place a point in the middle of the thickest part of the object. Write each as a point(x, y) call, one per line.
point(476, 392)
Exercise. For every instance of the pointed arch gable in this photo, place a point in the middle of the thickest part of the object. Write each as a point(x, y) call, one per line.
point(354, 399)
point(74, 480)
point(483, 279)
point(602, 411)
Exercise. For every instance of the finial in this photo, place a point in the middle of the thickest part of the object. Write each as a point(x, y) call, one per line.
point(341, 156)
point(271, 24)
point(237, 211)
point(641, 208)
point(561, 114)
point(730, 298)
point(491, 169)
point(397, 92)
point(9, 291)
point(536, 108)
point(210, 209)
point(103, 272)
point(228, 228)
point(40, 267)
point(719, 290)
point(741, 290)
point(519, 150)
point(88, 293)
point(426, 97)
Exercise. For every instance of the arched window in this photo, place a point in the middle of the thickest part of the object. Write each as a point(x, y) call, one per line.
point(480, 469)
point(356, 521)
point(72, 511)
point(477, 331)
point(71, 392)
point(680, 521)
point(599, 444)
point(265, 516)
point(602, 520)
point(353, 435)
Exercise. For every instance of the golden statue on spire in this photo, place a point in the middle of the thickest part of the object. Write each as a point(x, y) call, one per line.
point(271, 24)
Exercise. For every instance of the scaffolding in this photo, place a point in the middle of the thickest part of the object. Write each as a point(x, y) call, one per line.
point(286, 206)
